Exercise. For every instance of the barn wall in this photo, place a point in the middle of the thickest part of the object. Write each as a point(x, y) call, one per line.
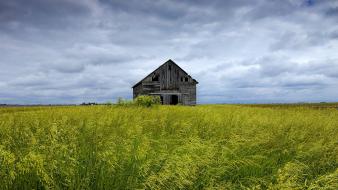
point(189, 94)
point(137, 90)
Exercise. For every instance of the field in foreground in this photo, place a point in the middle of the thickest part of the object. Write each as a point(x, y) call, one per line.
point(167, 147)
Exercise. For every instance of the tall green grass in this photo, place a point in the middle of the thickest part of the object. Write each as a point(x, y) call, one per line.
point(168, 147)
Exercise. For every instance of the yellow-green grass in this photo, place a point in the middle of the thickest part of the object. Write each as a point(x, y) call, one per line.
point(169, 147)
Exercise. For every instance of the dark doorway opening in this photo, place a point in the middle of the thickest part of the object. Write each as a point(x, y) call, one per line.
point(173, 100)
point(161, 99)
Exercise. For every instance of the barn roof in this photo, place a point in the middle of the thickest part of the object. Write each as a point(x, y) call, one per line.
point(169, 61)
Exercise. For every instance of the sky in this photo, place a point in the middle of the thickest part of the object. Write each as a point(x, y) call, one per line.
point(240, 51)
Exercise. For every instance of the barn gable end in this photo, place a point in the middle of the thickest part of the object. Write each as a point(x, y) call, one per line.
point(170, 82)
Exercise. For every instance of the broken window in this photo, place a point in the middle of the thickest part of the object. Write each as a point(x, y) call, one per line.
point(186, 79)
point(169, 67)
point(155, 78)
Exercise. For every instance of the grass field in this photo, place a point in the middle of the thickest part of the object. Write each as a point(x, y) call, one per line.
point(169, 147)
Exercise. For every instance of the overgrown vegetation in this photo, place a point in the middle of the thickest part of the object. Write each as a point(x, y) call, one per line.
point(142, 100)
point(168, 147)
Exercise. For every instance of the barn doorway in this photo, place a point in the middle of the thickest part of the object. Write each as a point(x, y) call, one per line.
point(161, 99)
point(173, 100)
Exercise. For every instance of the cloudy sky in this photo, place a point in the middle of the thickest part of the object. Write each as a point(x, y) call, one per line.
point(240, 51)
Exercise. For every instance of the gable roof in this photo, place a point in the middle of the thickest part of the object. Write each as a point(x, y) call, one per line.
point(169, 61)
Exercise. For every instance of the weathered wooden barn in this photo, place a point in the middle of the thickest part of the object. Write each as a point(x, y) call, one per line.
point(171, 83)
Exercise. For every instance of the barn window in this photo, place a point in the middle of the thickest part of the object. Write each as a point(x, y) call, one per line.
point(186, 79)
point(155, 78)
point(169, 67)
point(181, 79)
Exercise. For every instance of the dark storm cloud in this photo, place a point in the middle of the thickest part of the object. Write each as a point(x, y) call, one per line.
point(42, 13)
point(332, 11)
point(68, 51)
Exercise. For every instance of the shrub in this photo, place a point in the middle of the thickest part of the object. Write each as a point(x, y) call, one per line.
point(147, 101)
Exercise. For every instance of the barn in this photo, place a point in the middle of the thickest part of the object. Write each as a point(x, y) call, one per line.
point(171, 83)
